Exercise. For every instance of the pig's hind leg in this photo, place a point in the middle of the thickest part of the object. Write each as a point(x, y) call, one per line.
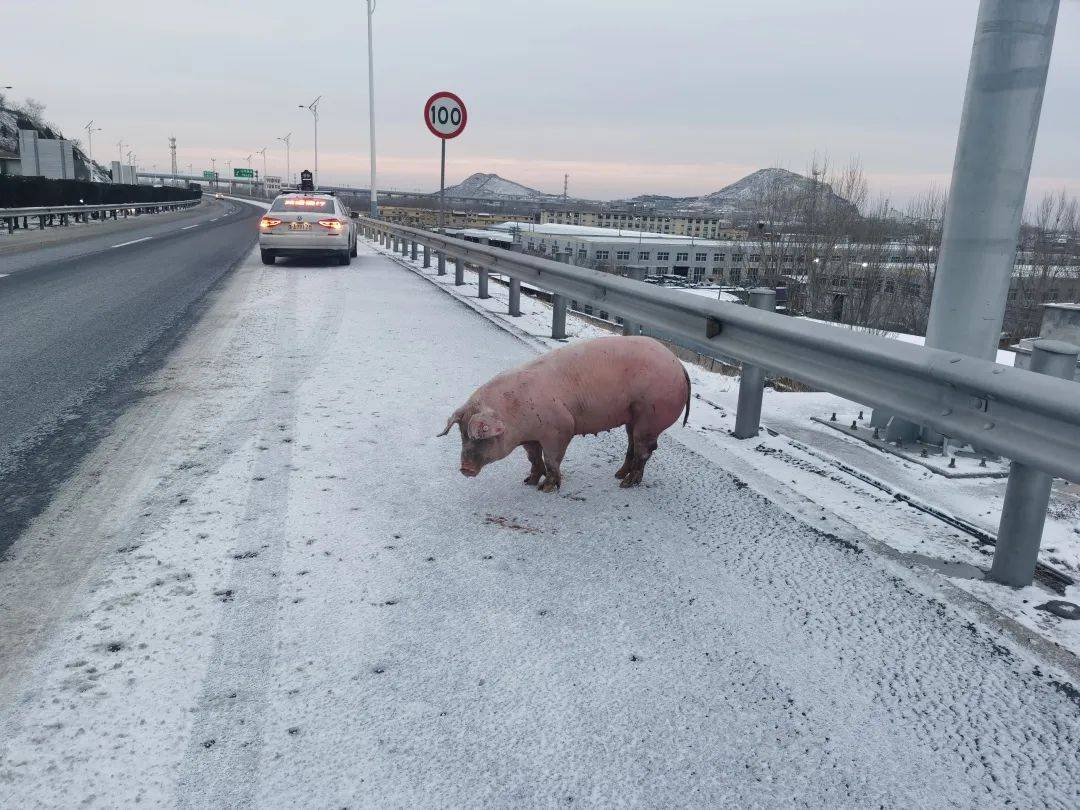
point(643, 442)
point(628, 462)
point(536, 459)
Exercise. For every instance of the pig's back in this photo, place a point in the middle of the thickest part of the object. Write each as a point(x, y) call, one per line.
point(601, 380)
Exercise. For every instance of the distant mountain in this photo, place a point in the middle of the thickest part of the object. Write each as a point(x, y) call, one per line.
point(775, 192)
point(777, 189)
point(491, 186)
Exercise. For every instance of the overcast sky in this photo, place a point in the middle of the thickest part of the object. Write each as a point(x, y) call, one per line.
point(628, 97)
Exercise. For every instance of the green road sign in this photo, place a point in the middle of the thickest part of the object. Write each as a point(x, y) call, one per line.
point(209, 175)
point(243, 173)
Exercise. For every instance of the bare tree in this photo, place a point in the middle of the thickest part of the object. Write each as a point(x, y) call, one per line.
point(1048, 254)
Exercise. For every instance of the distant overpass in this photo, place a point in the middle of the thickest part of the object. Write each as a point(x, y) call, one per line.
point(384, 194)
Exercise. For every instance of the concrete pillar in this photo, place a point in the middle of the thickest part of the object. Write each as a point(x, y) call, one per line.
point(1028, 492)
point(752, 380)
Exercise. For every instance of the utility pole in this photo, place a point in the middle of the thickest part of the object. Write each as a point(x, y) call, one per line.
point(1006, 80)
point(288, 168)
point(565, 186)
point(1010, 58)
point(374, 194)
point(213, 171)
point(314, 107)
point(172, 152)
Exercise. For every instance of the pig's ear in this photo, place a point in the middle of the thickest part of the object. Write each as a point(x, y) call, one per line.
point(455, 417)
point(485, 426)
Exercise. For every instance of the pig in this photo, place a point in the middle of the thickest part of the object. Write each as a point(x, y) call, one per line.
point(587, 387)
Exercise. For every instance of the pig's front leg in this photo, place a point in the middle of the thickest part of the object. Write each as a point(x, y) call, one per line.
point(536, 459)
point(554, 450)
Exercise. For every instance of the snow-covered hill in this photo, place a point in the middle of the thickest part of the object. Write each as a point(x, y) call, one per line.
point(768, 188)
point(778, 191)
point(494, 187)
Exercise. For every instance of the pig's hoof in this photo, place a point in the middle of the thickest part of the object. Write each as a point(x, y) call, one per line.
point(620, 473)
point(549, 485)
point(533, 480)
point(629, 481)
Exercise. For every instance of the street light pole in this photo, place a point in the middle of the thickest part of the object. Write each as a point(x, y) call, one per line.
point(263, 153)
point(288, 168)
point(90, 130)
point(374, 194)
point(314, 107)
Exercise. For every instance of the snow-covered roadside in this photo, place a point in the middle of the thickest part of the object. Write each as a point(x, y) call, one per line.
point(816, 462)
point(269, 587)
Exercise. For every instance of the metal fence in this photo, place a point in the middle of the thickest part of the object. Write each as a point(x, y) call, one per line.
point(49, 215)
point(1031, 418)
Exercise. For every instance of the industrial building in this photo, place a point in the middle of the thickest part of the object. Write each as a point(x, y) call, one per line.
point(697, 260)
point(696, 225)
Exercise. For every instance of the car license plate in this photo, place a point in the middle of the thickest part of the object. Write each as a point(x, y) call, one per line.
point(299, 226)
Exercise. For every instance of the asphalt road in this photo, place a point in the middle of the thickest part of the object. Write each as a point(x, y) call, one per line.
point(82, 320)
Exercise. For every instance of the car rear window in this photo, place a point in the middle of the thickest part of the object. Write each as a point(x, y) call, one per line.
point(299, 204)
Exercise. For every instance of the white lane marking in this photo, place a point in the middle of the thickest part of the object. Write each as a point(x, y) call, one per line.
point(4, 275)
point(215, 219)
point(189, 227)
point(133, 241)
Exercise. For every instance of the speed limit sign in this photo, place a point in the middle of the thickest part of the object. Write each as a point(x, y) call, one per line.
point(445, 115)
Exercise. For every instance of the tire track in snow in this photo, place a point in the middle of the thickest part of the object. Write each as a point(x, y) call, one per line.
point(220, 765)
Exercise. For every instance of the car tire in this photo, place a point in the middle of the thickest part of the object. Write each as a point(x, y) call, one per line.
point(345, 258)
point(268, 256)
point(353, 251)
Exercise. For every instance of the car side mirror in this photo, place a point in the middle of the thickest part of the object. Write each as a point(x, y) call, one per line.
point(354, 214)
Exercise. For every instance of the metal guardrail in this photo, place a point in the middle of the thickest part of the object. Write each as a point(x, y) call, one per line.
point(80, 213)
point(1030, 418)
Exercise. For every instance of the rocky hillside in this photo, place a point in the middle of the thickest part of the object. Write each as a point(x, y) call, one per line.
point(770, 188)
point(491, 186)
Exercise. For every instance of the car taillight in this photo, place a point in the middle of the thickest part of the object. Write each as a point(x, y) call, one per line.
point(268, 222)
point(332, 224)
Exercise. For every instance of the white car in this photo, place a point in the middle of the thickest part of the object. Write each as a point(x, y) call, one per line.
point(307, 223)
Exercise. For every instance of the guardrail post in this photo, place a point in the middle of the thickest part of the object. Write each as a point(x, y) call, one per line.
point(440, 262)
point(558, 317)
point(483, 282)
point(459, 273)
point(413, 254)
point(515, 297)
point(427, 256)
point(1027, 494)
point(632, 327)
point(752, 379)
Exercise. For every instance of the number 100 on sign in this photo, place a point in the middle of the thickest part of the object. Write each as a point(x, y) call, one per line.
point(445, 115)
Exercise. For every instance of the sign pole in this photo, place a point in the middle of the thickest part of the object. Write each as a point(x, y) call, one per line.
point(445, 117)
point(442, 187)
